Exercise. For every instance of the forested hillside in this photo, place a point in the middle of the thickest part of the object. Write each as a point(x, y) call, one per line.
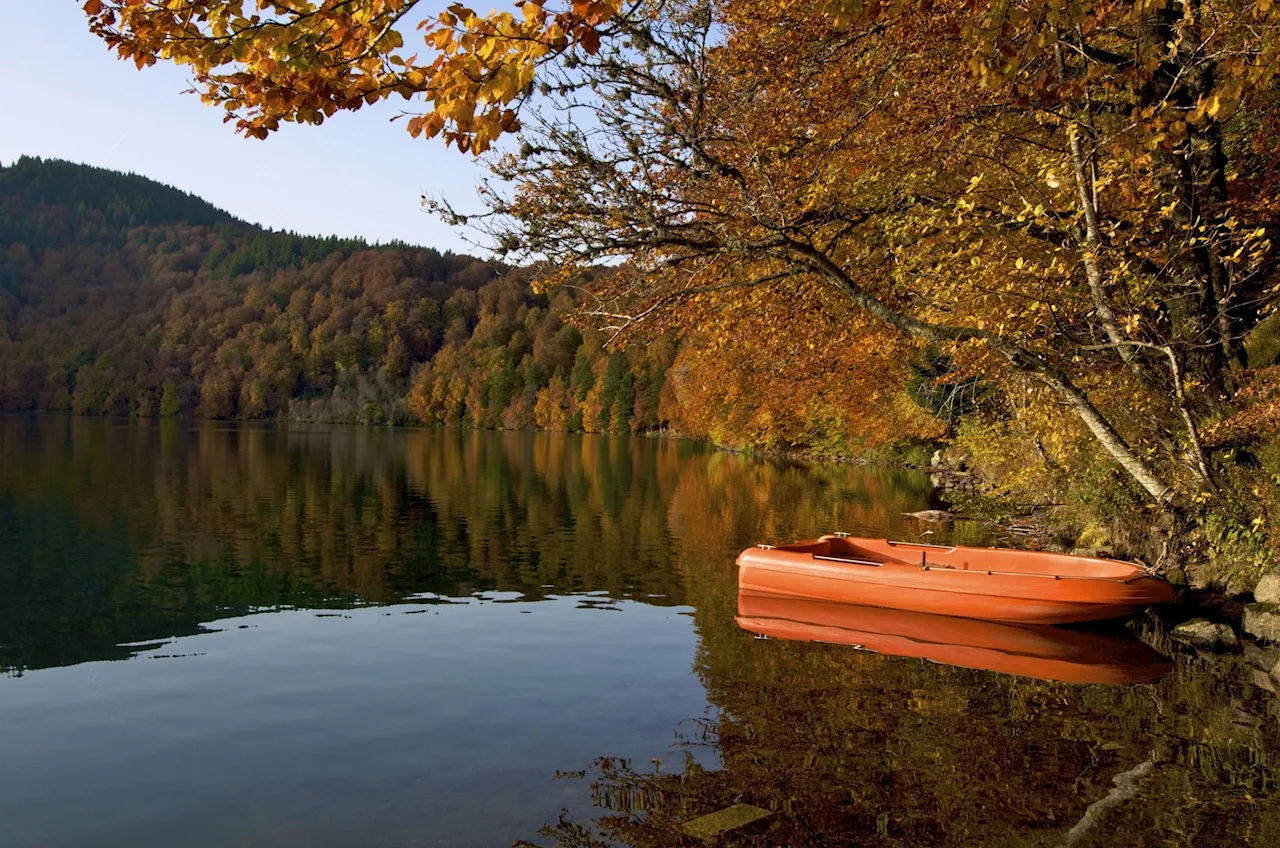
point(120, 296)
point(51, 203)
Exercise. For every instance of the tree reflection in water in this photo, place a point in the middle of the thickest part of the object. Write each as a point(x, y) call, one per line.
point(854, 748)
point(121, 532)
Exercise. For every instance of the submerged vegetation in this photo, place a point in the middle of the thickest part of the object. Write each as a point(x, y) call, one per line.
point(846, 748)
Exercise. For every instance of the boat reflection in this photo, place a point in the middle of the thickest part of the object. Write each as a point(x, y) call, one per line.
point(1046, 653)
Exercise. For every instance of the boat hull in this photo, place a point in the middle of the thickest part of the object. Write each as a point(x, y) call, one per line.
point(994, 585)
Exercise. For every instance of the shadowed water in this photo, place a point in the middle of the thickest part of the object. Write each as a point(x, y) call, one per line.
point(214, 636)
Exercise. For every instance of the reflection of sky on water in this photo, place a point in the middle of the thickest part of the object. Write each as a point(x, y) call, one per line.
point(425, 724)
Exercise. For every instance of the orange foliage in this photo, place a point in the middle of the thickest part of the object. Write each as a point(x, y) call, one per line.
point(751, 374)
point(267, 61)
point(1258, 412)
point(1040, 217)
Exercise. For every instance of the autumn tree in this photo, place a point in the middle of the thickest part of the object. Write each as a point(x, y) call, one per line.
point(272, 61)
point(1045, 192)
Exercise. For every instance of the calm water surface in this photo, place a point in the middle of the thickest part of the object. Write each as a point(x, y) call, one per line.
point(220, 636)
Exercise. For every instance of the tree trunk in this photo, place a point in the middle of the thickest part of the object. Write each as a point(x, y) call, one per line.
point(1092, 232)
point(1022, 360)
point(1111, 441)
point(1193, 182)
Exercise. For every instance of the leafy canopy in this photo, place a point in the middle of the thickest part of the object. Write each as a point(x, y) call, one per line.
point(1082, 213)
point(268, 61)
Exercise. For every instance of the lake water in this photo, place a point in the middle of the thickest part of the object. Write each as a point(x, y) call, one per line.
point(229, 636)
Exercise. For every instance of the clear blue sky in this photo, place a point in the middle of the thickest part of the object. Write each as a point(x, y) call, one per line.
point(65, 96)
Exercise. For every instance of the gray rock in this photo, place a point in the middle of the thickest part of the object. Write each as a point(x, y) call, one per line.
point(1262, 680)
point(935, 516)
point(1263, 621)
point(1268, 589)
point(1205, 635)
point(1263, 659)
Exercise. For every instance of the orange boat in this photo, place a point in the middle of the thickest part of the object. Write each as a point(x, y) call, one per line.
point(1047, 653)
point(1026, 587)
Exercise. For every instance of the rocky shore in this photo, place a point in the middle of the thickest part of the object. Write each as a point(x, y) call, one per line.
point(1236, 631)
